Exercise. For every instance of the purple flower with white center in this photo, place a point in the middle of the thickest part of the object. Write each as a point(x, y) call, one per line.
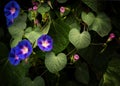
point(24, 49)
point(11, 10)
point(45, 43)
point(14, 57)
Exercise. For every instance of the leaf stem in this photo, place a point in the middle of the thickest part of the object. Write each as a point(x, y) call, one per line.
point(43, 72)
point(71, 51)
point(97, 44)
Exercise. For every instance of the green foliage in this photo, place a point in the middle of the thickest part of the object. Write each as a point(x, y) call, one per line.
point(55, 63)
point(59, 32)
point(82, 73)
point(71, 22)
point(11, 75)
point(43, 8)
point(82, 29)
point(33, 35)
point(111, 76)
point(93, 4)
point(3, 50)
point(61, 1)
point(88, 18)
point(79, 40)
point(101, 25)
point(17, 29)
point(38, 81)
point(15, 42)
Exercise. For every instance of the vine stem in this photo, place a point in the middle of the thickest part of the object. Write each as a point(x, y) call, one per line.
point(43, 72)
point(97, 43)
point(58, 77)
point(71, 51)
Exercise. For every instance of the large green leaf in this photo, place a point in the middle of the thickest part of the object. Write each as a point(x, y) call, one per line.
point(71, 22)
point(101, 25)
point(79, 40)
point(38, 81)
point(112, 75)
point(3, 50)
point(46, 27)
point(43, 8)
point(55, 63)
point(11, 75)
point(15, 42)
point(93, 4)
point(88, 18)
point(82, 74)
point(59, 32)
point(33, 35)
point(17, 29)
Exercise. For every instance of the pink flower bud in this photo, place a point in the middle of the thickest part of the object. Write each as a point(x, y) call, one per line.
point(62, 9)
point(76, 57)
point(35, 7)
point(112, 36)
point(30, 9)
point(36, 22)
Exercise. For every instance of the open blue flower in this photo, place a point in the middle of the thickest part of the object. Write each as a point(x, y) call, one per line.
point(24, 49)
point(45, 43)
point(14, 57)
point(9, 22)
point(11, 10)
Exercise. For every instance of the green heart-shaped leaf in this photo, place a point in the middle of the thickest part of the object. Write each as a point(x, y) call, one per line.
point(33, 35)
point(79, 40)
point(17, 28)
point(88, 18)
point(15, 42)
point(101, 25)
point(38, 81)
point(55, 63)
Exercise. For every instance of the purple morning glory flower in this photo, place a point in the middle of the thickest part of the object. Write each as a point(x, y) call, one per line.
point(45, 43)
point(14, 57)
point(24, 49)
point(9, 22)
point(11, 10)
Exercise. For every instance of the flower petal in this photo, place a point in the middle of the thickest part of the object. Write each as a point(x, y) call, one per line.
point(12, 57)
point(45, 43)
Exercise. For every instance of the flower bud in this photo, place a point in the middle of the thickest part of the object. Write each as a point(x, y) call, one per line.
point(76, 57)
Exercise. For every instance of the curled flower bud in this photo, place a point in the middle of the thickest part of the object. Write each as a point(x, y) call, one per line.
point(62, 9)
point(111, 37)
point(35, 7)
point(76, 57)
